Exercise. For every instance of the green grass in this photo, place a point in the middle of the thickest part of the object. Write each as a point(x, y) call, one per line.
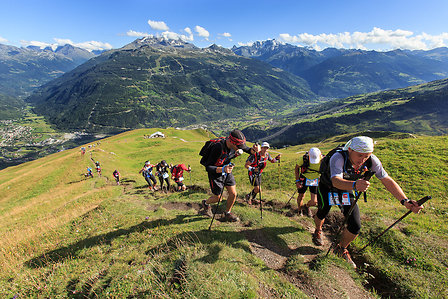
point(67, 236)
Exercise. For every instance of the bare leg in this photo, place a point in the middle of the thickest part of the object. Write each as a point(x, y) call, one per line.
point(347, 238)
point(231, 198)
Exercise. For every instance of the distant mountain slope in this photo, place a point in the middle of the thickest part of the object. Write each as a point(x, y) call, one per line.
point(10, 108)
point(24, 69)
point(421, 109)
point(157, 82)
point(361, 72)
point(337, 73)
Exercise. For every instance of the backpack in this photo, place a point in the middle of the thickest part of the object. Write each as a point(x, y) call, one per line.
point(306, 163)
point(324, 169)
point(206, 149)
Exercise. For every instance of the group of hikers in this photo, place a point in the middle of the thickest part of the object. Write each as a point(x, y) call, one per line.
point(336, 179)
point(339, 178)
point(89, 172)
point(162, 171)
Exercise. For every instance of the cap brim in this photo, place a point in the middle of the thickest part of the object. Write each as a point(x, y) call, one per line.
point(244, 147)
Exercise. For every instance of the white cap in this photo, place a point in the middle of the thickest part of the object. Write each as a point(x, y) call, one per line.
point(360, 144)
point(265, 144)
point(315, 155)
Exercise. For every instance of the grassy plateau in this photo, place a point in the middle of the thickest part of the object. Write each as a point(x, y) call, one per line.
point(67, 236)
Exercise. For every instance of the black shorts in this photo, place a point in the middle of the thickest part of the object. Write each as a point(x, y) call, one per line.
point(180, 183)
point(323, 208)
point(255, 180)
point(313, 189)
point(217, 183)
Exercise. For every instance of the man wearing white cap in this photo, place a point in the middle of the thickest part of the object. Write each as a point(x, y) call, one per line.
point(307, 176)
point(345, 175)
point(255, 165)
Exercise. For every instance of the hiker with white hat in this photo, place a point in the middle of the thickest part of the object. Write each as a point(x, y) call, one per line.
point(345, 173)
point(255, 165)
point(307, 176)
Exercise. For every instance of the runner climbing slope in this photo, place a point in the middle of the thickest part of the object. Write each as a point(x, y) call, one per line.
point(343, 175)
point(146, 171)
point(307, 177)
point(255, 164)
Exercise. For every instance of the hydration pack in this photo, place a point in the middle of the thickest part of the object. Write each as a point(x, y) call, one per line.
point(206, 149)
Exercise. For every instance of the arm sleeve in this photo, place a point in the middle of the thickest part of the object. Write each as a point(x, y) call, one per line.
point(377, 167)
point(337, 165)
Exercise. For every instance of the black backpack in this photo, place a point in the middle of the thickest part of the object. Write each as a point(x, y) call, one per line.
point(206, 149)
point(324, 168)
point(306, 163)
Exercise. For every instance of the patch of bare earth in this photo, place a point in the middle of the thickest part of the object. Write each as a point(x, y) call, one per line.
point(275, 257)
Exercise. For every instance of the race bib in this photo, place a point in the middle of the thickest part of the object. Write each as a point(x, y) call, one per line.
point(333, 199)
point(312, 183)
point(165, 175)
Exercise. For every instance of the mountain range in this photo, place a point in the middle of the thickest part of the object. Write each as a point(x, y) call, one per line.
point(338, 73)
point(159, 82)
point(421, 109)
point(22, 70)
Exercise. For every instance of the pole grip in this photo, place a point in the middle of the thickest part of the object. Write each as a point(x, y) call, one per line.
point(423, 200)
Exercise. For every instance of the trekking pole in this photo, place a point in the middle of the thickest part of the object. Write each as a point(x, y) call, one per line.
point(261, 202)
point(367, 177)
point(279, 184)
point(189, 173)
point(419, 202)
point(219, 200)
point(291, 197)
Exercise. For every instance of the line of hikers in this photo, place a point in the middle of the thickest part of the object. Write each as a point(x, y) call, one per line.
point(162, 171)
point(338, 179)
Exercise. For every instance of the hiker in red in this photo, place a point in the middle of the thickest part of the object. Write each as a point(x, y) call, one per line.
point(255, 165)
point(177, 174)
point(216, 160)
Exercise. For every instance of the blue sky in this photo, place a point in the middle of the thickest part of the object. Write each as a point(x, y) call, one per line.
point(99, 24)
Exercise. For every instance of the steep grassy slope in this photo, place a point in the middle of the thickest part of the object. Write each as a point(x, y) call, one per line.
point(67, 236)
point(421, 109)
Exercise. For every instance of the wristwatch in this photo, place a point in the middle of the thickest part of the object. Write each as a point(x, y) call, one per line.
point(404, 200)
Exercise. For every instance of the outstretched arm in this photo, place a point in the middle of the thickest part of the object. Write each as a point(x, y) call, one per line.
point(398, 193)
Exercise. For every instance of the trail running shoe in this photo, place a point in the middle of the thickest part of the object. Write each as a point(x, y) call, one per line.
point(206, 209)
point(306, 211)
point(343, 252)
point(317, 238)
point(230, 217)
point(248, 199)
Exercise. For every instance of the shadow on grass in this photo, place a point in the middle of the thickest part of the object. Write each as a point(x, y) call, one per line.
point(234, 239)
point(60, 254)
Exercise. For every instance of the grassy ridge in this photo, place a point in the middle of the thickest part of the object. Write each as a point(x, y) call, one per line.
point(64, 235)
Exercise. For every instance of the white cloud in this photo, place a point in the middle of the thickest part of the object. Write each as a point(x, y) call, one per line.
point(376, 39)
point(3, 40)
point(226, 34)
point(248, 44)
point(174, 35)
point(202, 32)
point(39, 44)
point(188, 30)
point(137, 34)
point(89, 45)
point(158, 25)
